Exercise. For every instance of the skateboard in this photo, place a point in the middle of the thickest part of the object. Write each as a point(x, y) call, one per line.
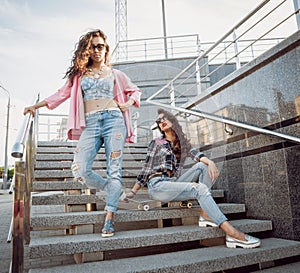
point(145, 204)
point(185, 204)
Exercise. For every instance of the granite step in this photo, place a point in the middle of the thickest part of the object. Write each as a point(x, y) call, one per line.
point(46, 220)
point(61, 199)
point(38, 174)
point(287, 268)
point(86, 243)
point(46, 165)
point(68, 150)
point(70, 156)
point(200, 260)
point(74, 143)
point(69, 184)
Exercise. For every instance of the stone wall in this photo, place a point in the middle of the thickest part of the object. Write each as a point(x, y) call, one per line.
point(258, 170)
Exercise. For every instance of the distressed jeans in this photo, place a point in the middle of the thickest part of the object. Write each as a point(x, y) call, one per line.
point(166, 189)
point(102, 128)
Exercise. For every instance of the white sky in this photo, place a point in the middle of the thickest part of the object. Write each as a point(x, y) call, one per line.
point(38, 38)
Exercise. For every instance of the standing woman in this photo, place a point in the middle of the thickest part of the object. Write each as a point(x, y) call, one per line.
point(100, 98)
point(162, 174)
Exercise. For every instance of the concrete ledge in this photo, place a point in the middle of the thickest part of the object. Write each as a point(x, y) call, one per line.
point(59, 199)
point(58, 245)
point(202, 260)
point(96, 217)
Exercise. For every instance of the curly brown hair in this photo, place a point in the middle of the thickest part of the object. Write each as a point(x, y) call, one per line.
point(81, 58)
point(181, 145)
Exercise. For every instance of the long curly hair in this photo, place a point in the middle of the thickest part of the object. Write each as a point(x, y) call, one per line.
point(181, 145)
point(81, 57)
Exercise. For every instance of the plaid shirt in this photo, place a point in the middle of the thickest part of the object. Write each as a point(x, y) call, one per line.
point(160, 158)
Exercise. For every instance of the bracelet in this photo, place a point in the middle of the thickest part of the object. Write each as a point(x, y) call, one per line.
point(134, 193)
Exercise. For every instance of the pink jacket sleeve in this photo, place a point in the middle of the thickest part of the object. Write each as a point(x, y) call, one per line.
point(60, 96)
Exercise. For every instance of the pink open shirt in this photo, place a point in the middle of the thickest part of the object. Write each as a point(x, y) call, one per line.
point(123, 90)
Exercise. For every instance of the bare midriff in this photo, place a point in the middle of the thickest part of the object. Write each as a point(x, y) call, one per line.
point(99, 105)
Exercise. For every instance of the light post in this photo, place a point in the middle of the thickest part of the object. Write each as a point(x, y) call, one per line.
point(6, 140)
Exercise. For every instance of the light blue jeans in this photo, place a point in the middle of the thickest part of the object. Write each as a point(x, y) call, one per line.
point(106, 127)
point(167, 189)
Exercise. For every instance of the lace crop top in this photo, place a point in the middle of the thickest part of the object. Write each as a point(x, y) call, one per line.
point(97, 88)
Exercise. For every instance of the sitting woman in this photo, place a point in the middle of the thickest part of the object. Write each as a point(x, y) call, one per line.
point(161, 173)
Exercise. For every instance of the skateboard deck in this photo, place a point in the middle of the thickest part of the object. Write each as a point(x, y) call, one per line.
point(144, 204)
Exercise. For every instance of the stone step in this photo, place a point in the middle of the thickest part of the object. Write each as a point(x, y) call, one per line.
point(69, 157)
point(46, 220)
point(70, 150)
point(287, 268)
point(61, 199)
point(46, 165)
point(62, 185)
point(38, 174)
point(86, 243)
point(74, 143)
point(200, 260)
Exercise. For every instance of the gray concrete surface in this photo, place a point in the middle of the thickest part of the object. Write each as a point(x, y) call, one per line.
point(6, 203)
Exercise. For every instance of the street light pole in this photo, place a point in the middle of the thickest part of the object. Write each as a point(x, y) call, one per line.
point(164, 28)
point(6, 141)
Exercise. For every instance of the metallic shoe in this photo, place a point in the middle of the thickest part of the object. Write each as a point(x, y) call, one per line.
point(251, 242)
point(108, 229)
point(206, 223)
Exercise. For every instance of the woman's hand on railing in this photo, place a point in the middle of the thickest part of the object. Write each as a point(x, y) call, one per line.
point(30, 109)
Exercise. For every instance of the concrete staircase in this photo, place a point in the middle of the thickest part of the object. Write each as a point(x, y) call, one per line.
point(66, 221)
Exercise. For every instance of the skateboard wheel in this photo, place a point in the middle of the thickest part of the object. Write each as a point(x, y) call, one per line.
point(189, 205)
point(182, 204)
point(140, 206)
point(146, 207)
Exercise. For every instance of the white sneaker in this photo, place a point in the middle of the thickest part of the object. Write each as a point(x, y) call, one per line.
point(251, 242)
point(206, 223)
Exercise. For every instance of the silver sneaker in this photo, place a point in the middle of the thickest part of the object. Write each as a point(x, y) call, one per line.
point(251, 242)
point(206, 223)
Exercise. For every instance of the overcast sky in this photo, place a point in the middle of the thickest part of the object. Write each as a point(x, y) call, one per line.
point(38, 38)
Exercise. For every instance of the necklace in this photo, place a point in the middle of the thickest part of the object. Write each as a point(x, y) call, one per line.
point(97, 74)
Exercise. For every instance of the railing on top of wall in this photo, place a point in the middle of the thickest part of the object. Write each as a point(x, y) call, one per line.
point(24, 150)
point(264, 22)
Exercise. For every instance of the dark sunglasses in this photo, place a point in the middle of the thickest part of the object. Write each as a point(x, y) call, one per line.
point(98, 46)
point(160, 120)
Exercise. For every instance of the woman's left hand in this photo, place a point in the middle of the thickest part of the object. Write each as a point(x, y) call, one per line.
point(125, 106)
point(213, 171)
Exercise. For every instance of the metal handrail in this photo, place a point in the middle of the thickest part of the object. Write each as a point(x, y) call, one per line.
point(229, 121)
point(23, 149)
point(19, 145)
point(204, 54)
point(18, 148)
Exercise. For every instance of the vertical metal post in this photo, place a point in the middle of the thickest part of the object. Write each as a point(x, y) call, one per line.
point(236, 51)
point(172, 95)
point(6, 140)
point(5, 178)
point(30, 159)
point(18, 214)
point(296, 6)
point(164, 28)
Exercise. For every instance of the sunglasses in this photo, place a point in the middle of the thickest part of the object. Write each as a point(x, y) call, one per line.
point(98, 46)
point(160, 120)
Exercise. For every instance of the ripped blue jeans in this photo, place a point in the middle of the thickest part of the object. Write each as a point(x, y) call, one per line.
point(166, 189)
point(102, 128)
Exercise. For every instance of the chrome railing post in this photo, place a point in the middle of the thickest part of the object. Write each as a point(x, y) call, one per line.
point(30, 159)
point(236, 51)
point(296, 6)
point(172, 94)
point(18, 214)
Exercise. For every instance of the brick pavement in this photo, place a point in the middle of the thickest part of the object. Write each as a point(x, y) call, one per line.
point(6, 202)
